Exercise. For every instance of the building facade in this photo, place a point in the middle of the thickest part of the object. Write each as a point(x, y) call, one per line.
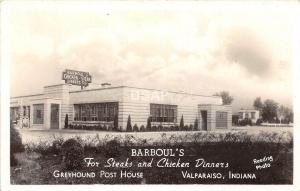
point(111, 106)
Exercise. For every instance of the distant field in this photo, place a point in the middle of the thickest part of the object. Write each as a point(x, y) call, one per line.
point(30, 135)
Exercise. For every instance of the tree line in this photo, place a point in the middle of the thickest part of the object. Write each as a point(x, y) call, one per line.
point(273, 112)
point(270, 110)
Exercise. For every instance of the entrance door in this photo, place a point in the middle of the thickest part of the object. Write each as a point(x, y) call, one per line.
point(204, 120)
point(54, 116)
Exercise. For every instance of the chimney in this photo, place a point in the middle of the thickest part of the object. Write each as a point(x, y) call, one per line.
point(105, 85)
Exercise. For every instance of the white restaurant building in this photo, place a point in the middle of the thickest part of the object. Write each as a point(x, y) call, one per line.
point(106, 104)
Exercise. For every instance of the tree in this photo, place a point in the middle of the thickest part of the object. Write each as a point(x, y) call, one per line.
point(269, 110)
point(290, 117)
point(181, 125)
point(226, 98)
point(129, 126)
point(148, 127)
point(66, 121)
point(257, 104)
point(135, 128)
point(196, 123)
point(284, 114)
point(16, 145)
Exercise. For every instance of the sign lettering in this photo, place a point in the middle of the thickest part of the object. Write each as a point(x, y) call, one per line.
point(77, 78)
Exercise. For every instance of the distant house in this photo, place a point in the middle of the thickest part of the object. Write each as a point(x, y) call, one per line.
point(249, 114)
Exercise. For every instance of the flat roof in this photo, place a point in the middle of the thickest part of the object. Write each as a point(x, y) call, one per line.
point(248, 110)
point(27, 95)
point(117, 87)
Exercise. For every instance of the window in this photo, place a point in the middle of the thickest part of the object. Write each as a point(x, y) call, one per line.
point(93, 113)
point(221, 119)
point(241, 115)
point(247, 115)
point(96, 111)
point(77, 112)
point(24, 111)
point(28, 109)
point(252, 115)
point(163, 113)
point(38, 113)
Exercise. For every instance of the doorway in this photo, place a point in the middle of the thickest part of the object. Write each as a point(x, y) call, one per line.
point(204, 120)
point(54, 121)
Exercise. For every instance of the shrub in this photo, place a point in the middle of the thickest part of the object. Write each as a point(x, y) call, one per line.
point(105, 127)
point(110, 128)
point(93, 127)
point(142, 128)
point(166, 128)
point(159, 128)
point(129, 126)
point(66, 121)
point(154, 128)
point(176, 128)
point(245, 122)
point(56, 146)
point(259, 122)
point(135, 128)
point(112, 148)
point(72, 152)
point(181, 126)
point(172, 128)
point(100, 127)
point(191, 127)
point(196, 124)
point(148, 127)
point(16, 145)
point(186, 128)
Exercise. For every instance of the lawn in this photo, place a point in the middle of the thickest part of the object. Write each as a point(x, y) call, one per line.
point(31, 135)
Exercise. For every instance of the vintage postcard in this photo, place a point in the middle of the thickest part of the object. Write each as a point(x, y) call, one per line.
point(199, 93)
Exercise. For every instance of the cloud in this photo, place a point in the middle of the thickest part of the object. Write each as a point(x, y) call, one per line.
point(245, 48)
point(181, 51)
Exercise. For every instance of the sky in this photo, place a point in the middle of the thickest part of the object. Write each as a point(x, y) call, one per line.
point(202, 48)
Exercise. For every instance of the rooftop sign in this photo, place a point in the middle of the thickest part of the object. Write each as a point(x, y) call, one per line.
point(77, 78)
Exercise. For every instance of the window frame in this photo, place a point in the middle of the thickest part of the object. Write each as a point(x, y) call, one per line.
point(40, 112)
point(100, 111)
point(221, 118)
point(163, 113)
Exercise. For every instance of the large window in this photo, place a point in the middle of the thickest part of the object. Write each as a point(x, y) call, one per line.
point(38, 113)
point(163, 113)
point(96, 111)
point(221, 119)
